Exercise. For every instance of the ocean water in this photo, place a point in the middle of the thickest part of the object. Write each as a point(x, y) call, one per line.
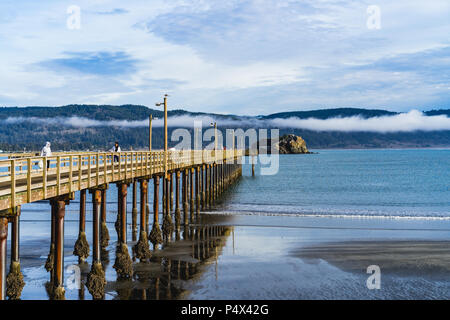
point(413, 183)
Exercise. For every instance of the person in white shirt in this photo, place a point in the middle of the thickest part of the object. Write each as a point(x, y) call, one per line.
point(47, 152)
point(116, 148)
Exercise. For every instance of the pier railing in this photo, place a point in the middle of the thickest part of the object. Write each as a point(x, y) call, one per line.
point(26, 178)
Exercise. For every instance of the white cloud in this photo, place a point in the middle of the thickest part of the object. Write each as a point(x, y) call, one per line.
point(404, 122)
point(260, 56)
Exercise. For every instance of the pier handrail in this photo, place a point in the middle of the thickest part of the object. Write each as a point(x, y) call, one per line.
point(23, 181)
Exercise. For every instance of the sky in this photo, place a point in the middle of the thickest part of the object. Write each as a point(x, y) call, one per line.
point(231, 57)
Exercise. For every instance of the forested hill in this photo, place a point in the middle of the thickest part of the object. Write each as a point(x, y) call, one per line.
point(30, 127)
point(95, 112)
point(344, 112)
point(139, 112)
point(331, 113)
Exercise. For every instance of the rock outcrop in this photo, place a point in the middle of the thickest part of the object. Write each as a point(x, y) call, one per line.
point(287, 144)
point(291, 143)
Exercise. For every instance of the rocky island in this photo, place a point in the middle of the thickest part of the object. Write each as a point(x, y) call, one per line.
point(287, 144)
point(291, 144)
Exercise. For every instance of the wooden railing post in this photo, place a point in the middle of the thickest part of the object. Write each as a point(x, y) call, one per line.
point(13, 183)
point(126, 164)
point(97, 169)
point(44, 177)
point(29, 180)
point(132, 164)
point(105, 169)
point(89, 171)
point(58, 177)
point(80, 172)
point(112, 167)
point(70, 173)
point(120, 165)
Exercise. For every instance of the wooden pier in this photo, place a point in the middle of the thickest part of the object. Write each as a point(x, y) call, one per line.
point(200, 177)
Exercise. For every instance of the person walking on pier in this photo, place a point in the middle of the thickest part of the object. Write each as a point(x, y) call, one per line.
point(116, 148)
point(47, 152)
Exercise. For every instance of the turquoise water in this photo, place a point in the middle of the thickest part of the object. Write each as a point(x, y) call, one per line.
point(376, 183)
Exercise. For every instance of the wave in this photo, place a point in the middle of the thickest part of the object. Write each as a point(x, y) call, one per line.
point(334, 215)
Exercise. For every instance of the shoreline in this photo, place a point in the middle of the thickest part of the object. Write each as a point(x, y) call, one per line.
point(312, 150)
point(288, 262)
point(267, 257)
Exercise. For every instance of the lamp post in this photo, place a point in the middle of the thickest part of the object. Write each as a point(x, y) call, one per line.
point(165, 133)
point(215, 136)
point(150, 118)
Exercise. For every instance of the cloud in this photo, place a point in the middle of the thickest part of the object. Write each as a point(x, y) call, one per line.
point(403, 122)
point(81, 122)
point(242, 57)
point(112, 12)
point(99, 63)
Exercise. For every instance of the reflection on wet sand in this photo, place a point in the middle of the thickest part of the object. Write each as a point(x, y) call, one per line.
point(169, 268)
point(165, 275)
point(426, 259)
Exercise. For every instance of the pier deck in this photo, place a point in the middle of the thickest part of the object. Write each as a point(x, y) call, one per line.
point(22, 181)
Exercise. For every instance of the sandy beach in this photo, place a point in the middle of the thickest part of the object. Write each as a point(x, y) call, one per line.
point(269, 257)
point(327, 258)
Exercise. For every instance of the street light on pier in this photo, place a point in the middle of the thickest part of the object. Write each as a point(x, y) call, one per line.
point(165, 132)
point(214, 124)
point(150, 118)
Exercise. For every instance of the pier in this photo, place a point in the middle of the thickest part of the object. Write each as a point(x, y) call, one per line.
point(199, 177)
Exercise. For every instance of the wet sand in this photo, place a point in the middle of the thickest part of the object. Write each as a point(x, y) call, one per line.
point(265, 257)
point(426, 259)
point(281, 257)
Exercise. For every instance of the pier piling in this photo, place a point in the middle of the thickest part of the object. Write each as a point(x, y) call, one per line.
point(185, 197)
point(123, 187)
point(191, 192)
point(49, 263)
point(123, 263)
point(197, 191)
point(202, 182)
point(104, 233)
point(3, 239)
point(59, 205)
point(14, 280)
point(134, 212)
point(211, 190)
point(96, 278)
point(167, 227)
point(81, 248)
point(171, 192)
point(177, 201)
point(142, 249)
point(156, 234)
point(206, 186)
